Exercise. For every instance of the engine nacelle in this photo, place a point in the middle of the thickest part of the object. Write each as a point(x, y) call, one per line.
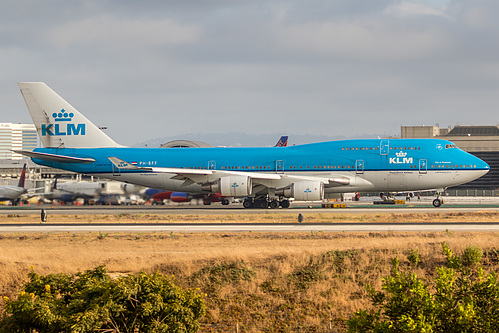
point(305, 191)
point(231, 186)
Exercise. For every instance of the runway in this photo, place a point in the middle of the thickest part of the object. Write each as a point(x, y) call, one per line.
point(487, 205)
point(352, 208)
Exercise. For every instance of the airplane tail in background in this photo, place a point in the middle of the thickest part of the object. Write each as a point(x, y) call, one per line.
point(283, 141)
point(60, 125)
point(23, 177)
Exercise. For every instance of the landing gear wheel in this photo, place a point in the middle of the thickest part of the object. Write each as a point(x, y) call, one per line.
point(225, 202)
point(437, 202)
point(285, 204)
point(207, 202)
point(274, 204)
point(247, 203)
point(262, 204)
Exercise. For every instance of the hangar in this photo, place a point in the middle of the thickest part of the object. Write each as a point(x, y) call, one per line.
point(185, 144)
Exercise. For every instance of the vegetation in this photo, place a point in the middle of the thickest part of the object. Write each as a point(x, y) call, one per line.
point(265, 216)
point(258, 282)
point(92, 301)
point(461, 298)
point(414, 258)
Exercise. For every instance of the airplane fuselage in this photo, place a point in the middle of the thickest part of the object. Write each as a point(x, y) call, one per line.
point(11, 192)
point(369, 165)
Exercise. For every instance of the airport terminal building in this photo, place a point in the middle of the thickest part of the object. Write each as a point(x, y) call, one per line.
point(22, 137)
point(16, 137)
point(481, 141)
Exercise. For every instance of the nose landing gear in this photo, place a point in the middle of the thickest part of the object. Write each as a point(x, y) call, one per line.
point(438, 201)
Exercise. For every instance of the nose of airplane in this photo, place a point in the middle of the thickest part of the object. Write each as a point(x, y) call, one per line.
point(481, 166)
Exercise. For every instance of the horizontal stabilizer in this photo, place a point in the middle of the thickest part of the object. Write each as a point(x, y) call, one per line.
point(54, 157)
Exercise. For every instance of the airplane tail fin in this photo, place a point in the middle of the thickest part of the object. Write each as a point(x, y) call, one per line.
point(283, 141)
point(23, 177)
point(60, 125)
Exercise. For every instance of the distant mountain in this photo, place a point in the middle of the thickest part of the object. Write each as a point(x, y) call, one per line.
point(248, 140)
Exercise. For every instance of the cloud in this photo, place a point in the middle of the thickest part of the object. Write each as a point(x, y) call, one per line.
point(371, 39)
point(411, 8)
point(318, 66)
point(110, 31)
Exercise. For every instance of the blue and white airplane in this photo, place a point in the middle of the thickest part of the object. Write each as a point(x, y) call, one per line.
point(265, 176)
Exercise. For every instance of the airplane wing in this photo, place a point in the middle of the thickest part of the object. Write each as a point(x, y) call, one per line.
point(259, 178)
point(54, 157)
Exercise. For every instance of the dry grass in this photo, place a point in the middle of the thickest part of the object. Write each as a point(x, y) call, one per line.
point(266, 217)
point(266, 282)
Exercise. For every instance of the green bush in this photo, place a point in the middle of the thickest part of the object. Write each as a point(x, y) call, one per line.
point(92, 301)
point(414, 258)
point(453, 261)
point(459, 300)
point(472, 255)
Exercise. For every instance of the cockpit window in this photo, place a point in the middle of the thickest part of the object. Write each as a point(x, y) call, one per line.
point(450, 146)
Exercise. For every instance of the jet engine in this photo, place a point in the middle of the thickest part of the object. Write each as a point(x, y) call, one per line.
point(304, 191)
point(231, 186)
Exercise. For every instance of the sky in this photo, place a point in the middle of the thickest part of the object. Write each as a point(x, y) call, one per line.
point(163, 68)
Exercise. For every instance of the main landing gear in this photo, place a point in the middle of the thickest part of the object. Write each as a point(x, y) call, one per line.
point(265, 202)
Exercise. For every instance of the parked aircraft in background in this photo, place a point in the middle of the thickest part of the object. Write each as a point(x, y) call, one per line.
point(283, 141)
point(208, 198)
point(97, 192)
point(14, 193)
point(71, 191)
point(266, 176)
point(68, 192)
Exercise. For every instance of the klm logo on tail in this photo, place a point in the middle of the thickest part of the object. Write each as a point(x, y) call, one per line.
point(62, 128)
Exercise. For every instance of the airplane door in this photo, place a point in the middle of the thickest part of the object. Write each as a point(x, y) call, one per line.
point(212, 165)
point(422, 166)
point(384, 147)
point(116, 170)
point(279, 166)
point(359, 166)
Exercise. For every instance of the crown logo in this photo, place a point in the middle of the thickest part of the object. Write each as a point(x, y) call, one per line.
point(401, 154)
point(62, 116)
